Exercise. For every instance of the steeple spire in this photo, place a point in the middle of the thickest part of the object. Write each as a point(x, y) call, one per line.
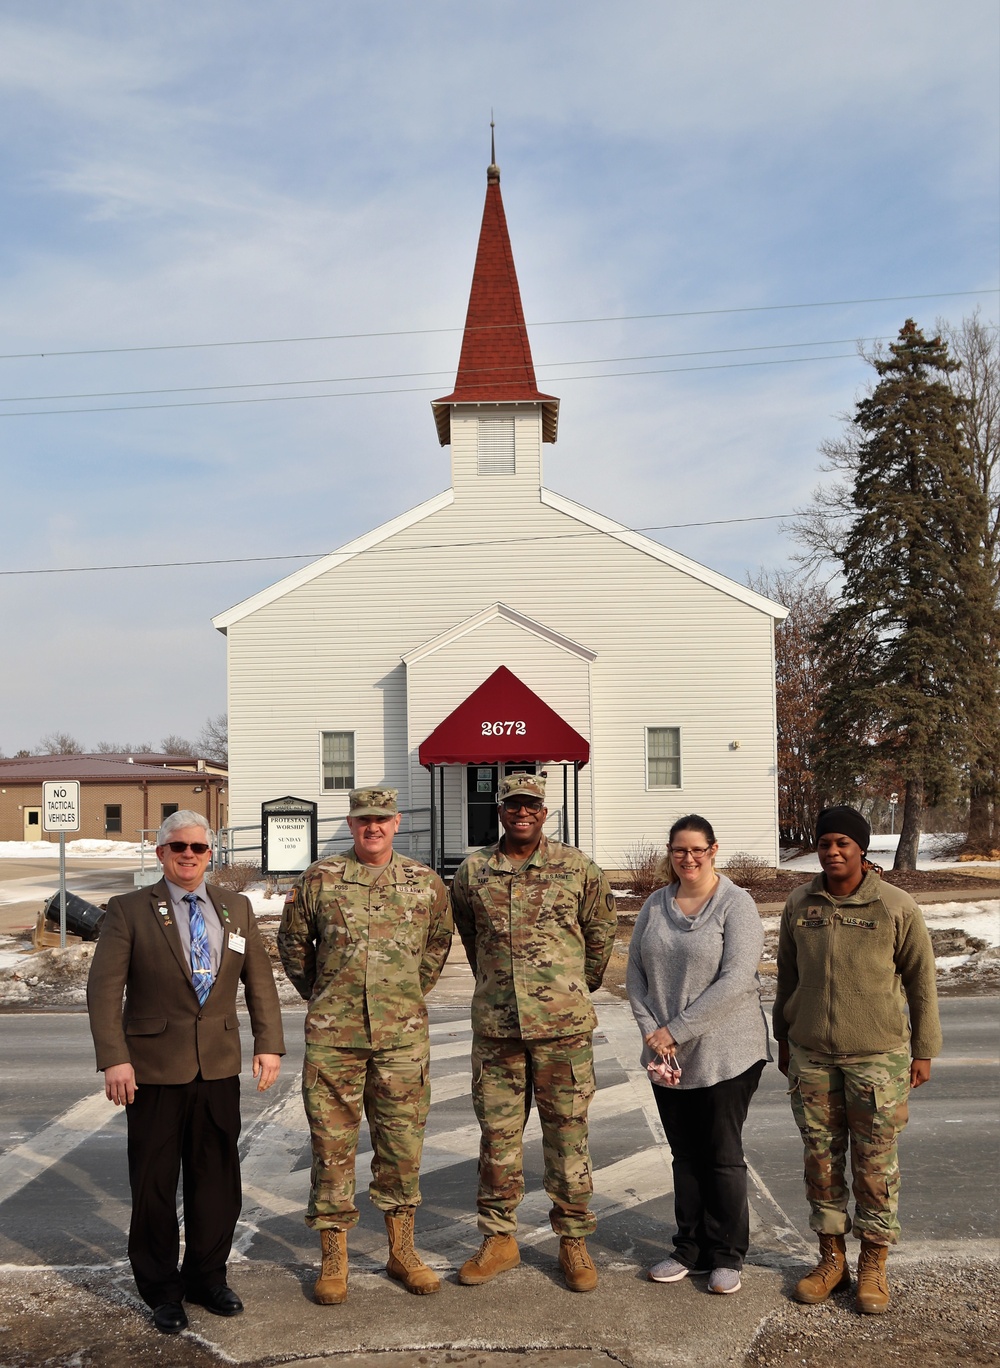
point(495, 365)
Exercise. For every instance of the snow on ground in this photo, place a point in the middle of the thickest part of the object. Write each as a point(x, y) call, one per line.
point(883, 851)
point(981, 919)
point(49, 850)
point(265, 906)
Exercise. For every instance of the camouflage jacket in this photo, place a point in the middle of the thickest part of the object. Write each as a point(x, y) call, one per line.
point(363, 946)
point(537, 938)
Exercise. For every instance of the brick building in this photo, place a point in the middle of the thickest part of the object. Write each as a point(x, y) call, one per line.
point(120, 796)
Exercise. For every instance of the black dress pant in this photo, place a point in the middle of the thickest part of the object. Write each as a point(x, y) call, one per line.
point(190, 1128)
point(704, 1128)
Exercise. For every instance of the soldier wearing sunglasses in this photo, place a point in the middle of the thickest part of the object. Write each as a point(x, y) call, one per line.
point(537, 920)
point(177, 951)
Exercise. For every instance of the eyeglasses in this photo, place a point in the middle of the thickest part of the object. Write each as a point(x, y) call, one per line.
point(516, 804)
point(195, 847)
point(699, 852)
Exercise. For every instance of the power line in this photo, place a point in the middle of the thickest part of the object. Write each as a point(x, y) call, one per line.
point(414, 389)
point(426, 546)
point(413, 375)
point(547, 323)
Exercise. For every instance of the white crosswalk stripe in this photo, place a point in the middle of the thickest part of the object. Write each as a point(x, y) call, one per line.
point(27, 1161)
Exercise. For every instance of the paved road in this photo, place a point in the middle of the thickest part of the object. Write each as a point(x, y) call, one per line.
point(63, 1190)
point(26, 883)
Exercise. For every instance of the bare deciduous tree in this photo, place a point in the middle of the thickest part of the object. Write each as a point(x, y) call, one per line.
point(59, 743)
point(213, 739)
point(177, 745)
point(798, 691)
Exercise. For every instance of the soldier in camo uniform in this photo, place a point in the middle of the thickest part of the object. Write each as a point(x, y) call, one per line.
point(363, 937)
point(854, 956)
point(537, 920)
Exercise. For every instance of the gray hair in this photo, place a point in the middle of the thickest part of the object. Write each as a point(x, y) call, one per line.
point(184, 818)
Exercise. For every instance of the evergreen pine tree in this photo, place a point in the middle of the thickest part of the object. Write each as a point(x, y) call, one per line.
point(904, 652)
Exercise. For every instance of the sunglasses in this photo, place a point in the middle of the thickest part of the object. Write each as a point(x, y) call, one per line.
point(516, 804)
point(195, 847)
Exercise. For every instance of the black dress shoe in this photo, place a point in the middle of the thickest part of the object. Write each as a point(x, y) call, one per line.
point(169, 1318)
point(221, 1300)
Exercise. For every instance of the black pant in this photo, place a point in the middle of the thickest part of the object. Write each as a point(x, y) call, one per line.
point(194, 1126)
point(704, 1127)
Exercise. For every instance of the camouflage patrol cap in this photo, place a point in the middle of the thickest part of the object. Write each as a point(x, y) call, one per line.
point(374, 802)
point(530, 785)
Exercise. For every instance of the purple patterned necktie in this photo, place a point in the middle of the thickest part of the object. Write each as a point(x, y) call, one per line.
point(201, 959)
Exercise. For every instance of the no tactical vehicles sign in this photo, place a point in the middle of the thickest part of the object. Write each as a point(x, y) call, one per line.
point(61, 805)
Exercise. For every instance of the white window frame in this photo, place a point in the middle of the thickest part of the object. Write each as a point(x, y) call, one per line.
point(664, 727)
point(338, 731)
point(501, 457)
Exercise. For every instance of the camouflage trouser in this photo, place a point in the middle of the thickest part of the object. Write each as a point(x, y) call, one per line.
point(861, 1099)
point(561, 1074)
point(393, 1086)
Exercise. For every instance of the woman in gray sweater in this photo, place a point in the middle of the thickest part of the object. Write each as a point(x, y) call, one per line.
point(692, 983)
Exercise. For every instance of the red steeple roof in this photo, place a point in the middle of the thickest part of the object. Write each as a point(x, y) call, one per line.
point(495, 364)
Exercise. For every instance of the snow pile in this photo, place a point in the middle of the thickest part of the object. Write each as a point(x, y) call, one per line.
point(883, 851)
point(82, 849)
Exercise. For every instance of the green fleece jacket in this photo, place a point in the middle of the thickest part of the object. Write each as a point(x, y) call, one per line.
point(848, 968)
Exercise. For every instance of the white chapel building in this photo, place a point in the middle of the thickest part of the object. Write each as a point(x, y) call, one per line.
point(519, 630)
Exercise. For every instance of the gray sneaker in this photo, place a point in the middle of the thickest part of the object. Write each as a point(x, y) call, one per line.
point(724, 1280)
point(672, 1270)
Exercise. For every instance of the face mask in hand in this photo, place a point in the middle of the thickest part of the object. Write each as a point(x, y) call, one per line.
point(665, 1070)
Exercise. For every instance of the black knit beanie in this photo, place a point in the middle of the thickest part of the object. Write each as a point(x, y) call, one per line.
point(845, 821)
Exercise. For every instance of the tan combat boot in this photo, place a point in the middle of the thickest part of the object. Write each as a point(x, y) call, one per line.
point(576, 1264)
point(829, 1275)
point(330, 1288)
point(405, 1264)
point(496, 1254)
point(873, 1279)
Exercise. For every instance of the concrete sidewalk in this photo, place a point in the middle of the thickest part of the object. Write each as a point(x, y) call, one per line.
point(524, 1316)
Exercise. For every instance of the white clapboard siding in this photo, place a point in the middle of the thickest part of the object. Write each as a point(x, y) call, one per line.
point(672, 645)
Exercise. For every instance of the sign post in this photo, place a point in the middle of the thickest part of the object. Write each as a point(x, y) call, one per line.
point(61, 812)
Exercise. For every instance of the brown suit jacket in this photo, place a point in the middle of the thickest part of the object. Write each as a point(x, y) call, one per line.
point(163, 1030)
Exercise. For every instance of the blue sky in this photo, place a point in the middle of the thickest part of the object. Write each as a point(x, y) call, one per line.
point(235, 172)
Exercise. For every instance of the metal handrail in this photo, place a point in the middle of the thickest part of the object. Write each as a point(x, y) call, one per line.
point(227, 846)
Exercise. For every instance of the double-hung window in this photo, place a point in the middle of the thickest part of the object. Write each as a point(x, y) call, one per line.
point(663, 757)
point(337, 757)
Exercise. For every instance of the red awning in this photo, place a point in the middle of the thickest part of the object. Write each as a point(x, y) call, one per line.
point(503, 722)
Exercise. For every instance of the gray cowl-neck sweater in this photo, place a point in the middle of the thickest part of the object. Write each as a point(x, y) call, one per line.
point(698, 977)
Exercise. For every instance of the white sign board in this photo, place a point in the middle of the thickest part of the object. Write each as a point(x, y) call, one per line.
point(61, 805)
point(289, 842)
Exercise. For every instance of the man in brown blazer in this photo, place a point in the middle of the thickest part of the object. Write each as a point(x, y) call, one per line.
point(178, 951)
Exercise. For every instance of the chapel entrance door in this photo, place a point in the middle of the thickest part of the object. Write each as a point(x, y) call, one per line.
point(481, 783)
